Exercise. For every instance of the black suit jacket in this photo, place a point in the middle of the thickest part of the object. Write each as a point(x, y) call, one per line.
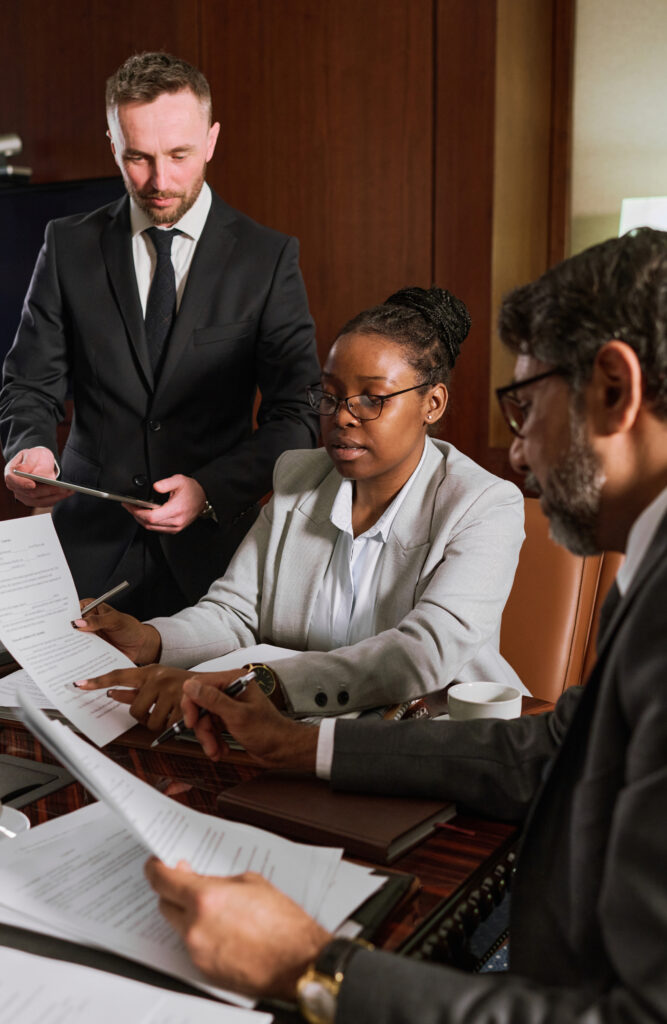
point(243, 323)
point(588, 935)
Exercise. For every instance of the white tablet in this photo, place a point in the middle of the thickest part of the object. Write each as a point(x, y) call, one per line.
point(92, 491)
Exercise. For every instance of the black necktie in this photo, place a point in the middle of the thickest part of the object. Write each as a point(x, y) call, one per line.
point(161, 304)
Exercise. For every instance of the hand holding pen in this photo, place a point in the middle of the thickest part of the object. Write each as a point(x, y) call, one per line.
point(233, 689)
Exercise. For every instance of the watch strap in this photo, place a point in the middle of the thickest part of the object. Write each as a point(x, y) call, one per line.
point(318, 988)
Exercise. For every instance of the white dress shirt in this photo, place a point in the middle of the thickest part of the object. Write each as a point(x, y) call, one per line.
point(183, 246)
point(344, 611)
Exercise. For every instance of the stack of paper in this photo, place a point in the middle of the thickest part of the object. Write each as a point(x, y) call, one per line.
point(81, 875)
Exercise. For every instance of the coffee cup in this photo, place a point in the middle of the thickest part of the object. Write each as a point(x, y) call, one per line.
point(483, 700)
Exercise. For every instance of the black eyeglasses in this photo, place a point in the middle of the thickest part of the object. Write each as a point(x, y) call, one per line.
point(362, 407)
point(515, 412)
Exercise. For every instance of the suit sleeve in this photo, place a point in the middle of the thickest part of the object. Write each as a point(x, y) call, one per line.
point(32, 401)
point(630, 987)
point(492, 766)
point(286, 363)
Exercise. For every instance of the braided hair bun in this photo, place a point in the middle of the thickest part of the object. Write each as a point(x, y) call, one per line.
point(447, 315)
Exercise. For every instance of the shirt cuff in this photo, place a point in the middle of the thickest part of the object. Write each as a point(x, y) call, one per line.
point(325, 748)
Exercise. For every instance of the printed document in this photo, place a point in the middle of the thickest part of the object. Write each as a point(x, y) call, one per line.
point(37, 989)
point(38, 601)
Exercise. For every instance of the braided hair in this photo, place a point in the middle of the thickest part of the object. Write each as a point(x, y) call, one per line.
point(431, 324)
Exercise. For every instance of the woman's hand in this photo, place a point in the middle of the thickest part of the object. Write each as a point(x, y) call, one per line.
point(138, 640)
point(153, 692)
point(242, 932)
point(268, 736)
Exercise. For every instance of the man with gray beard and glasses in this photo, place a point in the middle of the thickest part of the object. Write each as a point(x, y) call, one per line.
point(588, 930)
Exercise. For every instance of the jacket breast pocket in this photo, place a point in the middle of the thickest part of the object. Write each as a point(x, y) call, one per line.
point(78, 469)
point(224, 332)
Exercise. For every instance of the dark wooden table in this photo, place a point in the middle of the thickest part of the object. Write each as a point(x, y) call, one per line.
point(443, 863)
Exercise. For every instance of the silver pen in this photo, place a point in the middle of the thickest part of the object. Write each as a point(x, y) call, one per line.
point(98, 600)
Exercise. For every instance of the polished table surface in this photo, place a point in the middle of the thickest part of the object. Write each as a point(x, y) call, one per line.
point(443, 862)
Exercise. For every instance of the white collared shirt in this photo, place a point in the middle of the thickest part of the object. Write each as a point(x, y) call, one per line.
point(641, 534)
point(344, 610)
point(183, 246)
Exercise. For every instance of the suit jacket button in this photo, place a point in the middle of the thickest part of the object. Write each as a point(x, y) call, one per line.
point(343, 697)
point(154, 425)
point(321, 699)
point(139, 480)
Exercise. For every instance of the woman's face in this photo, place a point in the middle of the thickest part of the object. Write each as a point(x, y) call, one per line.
point(385, 450)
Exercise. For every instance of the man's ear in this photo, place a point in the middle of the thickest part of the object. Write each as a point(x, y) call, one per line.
point(617, 388)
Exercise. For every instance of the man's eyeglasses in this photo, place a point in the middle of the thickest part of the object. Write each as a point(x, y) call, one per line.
point(515, 412)
point(362, 407)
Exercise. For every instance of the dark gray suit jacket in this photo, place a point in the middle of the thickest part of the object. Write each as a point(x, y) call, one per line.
point(588, 934)
point(243, 323)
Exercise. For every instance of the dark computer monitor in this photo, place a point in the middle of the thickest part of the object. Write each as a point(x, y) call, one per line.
point(24, 213)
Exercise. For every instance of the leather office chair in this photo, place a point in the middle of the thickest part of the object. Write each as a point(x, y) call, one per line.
point(550, 619)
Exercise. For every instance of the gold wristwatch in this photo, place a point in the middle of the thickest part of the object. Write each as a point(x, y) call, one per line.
point(265, 676)
point(317, 989)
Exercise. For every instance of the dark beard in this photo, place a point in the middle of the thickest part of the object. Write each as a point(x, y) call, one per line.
point(572, 497)
point(163, 216)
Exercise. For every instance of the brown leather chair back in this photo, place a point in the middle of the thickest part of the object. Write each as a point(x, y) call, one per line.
point(549, 616)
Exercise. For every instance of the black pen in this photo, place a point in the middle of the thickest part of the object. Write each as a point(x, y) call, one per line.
point(236, 687)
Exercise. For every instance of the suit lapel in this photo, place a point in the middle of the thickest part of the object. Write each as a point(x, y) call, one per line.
point(116, 245)
point(212, 253)
point(309, 543)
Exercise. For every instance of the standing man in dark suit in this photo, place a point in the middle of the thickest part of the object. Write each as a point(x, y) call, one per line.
point(164, 312)
point(588, 934)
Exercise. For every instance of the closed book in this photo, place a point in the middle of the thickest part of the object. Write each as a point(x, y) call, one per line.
point(374, 828)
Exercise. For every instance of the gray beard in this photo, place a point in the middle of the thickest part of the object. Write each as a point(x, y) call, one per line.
point(572, 494)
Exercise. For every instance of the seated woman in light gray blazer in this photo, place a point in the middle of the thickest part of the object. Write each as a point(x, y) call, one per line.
point(384, 558)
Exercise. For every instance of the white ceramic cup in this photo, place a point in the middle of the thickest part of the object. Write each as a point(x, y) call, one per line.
point(483, 700)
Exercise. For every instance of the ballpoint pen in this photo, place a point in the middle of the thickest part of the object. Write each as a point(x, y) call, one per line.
point(236, 687)
point(103, 597)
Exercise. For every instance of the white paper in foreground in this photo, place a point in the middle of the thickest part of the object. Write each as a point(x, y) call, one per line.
point(38, 601)
point(36, 989)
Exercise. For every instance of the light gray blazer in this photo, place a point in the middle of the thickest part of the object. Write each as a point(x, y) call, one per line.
point(447, 570)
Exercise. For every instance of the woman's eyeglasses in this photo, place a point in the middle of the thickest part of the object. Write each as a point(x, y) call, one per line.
point(362, 407)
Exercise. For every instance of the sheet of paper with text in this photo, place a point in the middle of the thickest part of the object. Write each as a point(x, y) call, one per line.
point(38, 601)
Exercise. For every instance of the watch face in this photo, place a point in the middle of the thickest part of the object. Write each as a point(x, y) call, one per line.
point(265, 679)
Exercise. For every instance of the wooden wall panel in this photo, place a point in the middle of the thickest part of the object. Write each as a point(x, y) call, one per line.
point(56, 58)
point(327, 122)
point(463, 212)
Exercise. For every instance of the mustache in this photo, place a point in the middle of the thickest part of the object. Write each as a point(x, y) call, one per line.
point(161, 195)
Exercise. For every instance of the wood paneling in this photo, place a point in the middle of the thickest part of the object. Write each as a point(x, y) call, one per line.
point(56, 58)
point(327, 122)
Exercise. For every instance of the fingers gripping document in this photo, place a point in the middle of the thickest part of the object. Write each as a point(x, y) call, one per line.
point(38, 601)
point(81, 875)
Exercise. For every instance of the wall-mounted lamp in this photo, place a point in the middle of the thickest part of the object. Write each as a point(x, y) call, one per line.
point(10, 145)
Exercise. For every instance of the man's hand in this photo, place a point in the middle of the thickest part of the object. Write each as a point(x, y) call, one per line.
point(272, 740)
point(34, 495)
point(185, 503)
point(140, 641)
point(242, 932)
point(153, 692)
